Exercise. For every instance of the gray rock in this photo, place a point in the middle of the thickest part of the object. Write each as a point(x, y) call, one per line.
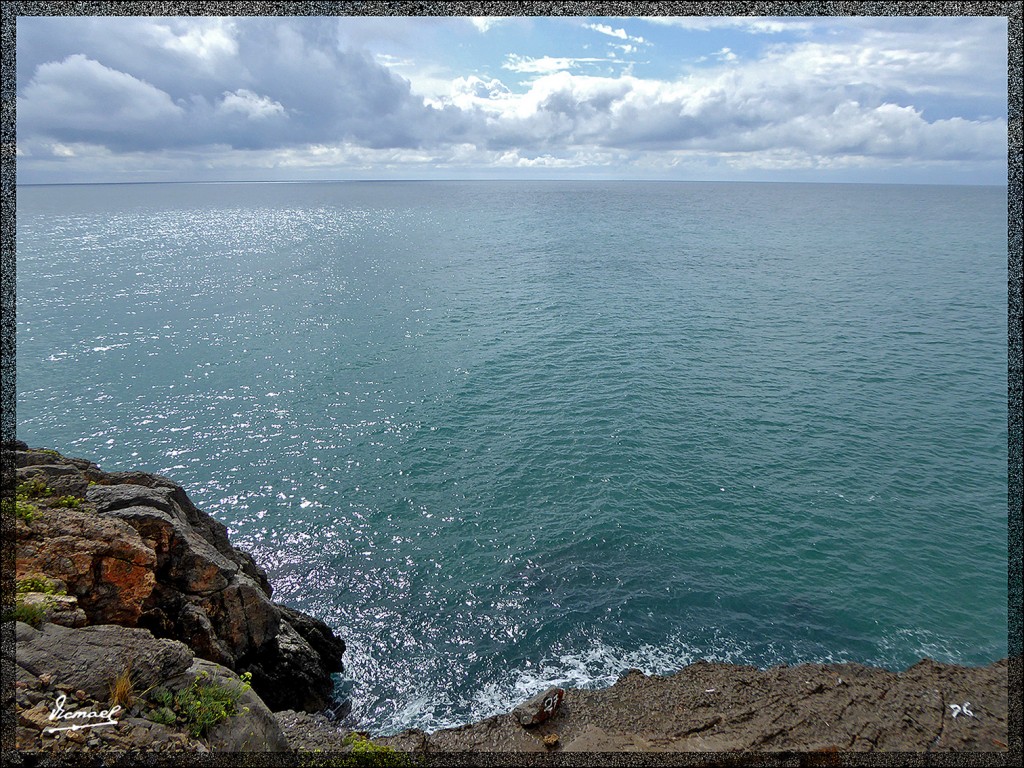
point(540, 708)
point(289, 672)
point(59, 609)
point(139, 553)
point(62, 479)
point(203, 594)
point(254, 729)
point(91, 658)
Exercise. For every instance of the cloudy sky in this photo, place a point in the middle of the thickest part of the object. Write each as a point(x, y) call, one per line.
point(785, 98)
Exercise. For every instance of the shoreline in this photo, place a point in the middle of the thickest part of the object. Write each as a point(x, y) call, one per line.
point(129, 555)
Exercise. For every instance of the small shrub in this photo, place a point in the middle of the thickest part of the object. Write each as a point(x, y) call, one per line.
point(162, 697)
point(365, 752)
point(203, 704)
point(24, 510)
point(32, 614)
point(70, 502)
point(33, 489)
point(163, 716)
point(37, 584)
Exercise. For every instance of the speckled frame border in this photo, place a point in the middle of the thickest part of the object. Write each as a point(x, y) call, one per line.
point(1012, 10)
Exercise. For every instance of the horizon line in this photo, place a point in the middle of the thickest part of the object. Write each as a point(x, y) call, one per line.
point(503, 179)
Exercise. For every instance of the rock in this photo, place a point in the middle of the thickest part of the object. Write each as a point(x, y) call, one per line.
point(321, 639)
point(291, 672)
point(254, 729)
point(103, 562)
point(59, 609)
point(212, 598)
point(540, 708)
point(551, 740)
point(90, 658)
point(62, 479)
point(138, 553)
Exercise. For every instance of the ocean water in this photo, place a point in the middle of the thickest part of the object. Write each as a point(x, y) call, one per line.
point(501, 435)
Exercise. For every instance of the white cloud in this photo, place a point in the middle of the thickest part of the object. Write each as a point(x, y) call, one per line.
point(484, 23)
point(79, 95)
point(250, 105)
point(205, 39)
point(387, 60)
point(546, 64)
point(296, 92)
point(621, 34)
point(755, 24)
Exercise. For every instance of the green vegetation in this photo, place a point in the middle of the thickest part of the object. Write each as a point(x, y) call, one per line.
point(202, 705)
point(33, 489)
point(163, 716)
point(69, 501)
point(364, 753)
point(30, 613)
point(162, 697)
point(38, 584)
point(24, 510)
point(33, 613)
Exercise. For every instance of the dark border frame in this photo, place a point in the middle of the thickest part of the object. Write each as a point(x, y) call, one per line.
point(1015, 402)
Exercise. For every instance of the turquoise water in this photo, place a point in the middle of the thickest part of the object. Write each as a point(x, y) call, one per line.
point(507, 434)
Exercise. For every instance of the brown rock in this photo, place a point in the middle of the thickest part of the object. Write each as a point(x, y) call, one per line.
point(103, 562)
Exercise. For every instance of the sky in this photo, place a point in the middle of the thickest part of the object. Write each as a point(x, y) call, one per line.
point(831, 99)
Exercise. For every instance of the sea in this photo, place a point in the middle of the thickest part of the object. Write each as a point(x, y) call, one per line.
point(502, 435)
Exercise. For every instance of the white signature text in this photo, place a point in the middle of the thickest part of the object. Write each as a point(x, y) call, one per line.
point(58, 713)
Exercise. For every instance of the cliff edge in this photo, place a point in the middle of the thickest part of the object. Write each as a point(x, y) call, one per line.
point(109, 551)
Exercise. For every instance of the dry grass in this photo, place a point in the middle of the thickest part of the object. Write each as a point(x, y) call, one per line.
point(122, 689)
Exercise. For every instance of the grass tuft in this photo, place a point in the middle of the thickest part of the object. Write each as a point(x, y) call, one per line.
point(363, 753)
point(122, 688)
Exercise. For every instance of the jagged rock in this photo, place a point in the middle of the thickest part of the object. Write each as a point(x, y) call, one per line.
point(294, 670)
point(137, 552)
point(203, 594)
point(327, 645)
point(90, 658)
point(178, 503)
point(103, 562)
point(540, 708)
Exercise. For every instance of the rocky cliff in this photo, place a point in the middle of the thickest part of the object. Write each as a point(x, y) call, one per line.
point(130, 549)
